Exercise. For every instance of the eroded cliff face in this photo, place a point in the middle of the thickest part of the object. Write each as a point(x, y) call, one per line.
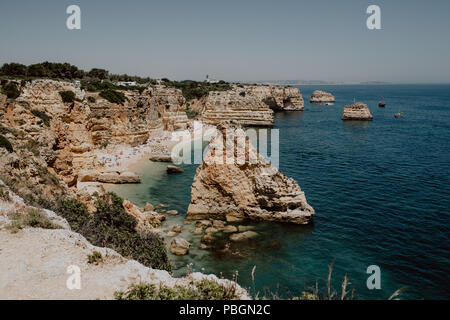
point(248, 105)
point(74, 130)
point(244, 108)
point(278, 98)
point(252, 189)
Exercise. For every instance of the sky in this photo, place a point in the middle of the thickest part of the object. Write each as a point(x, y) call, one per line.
point(236, 40)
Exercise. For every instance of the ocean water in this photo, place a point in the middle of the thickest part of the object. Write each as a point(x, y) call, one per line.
point(381, 191)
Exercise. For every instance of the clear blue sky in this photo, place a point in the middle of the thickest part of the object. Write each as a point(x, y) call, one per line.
point(236, 40)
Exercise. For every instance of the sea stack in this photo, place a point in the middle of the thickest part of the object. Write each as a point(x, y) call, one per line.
point(357, 111)
point(252, 189)
point(320, 96)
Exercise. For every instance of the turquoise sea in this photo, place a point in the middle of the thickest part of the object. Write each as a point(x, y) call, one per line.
point(381, 191)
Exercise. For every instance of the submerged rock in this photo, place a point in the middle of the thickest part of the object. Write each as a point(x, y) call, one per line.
point(109, 176)
point(176, 229)
point(149, 207)
point(320, 96)
point(211, 230)
point(357, 111)
point(230, 229)
point(253, 189)
point(174, 169)
point(243, 236)
point(179, 246)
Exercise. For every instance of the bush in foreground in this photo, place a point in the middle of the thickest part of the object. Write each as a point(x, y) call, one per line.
point(111, 226)
point(31, 218)
point(198, 290)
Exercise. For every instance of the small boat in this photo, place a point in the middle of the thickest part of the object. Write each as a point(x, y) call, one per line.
point(398, 114)
point(381, 104)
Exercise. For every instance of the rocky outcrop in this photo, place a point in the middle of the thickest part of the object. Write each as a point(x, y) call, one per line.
point(245, 109)
point(147, 219)
point(278, 98)
point(174, 170)
point(109, 176)
point(179, 246)
point(248, 105)
point(357, 111)
point(252, 189)
point(320, 96)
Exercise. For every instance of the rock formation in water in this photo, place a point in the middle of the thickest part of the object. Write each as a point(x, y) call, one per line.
point(357, 111)
point(320, 96)
point(252, 188)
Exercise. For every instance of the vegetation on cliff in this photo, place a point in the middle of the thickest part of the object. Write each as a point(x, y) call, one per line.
point(66, 71)
point(113, 227)
point(195, 89)
point(30, 218)
point(197, 290)
point(4, 143)
point(67, 96)
point(113, 96)
point(11, 90)
point(43, 116)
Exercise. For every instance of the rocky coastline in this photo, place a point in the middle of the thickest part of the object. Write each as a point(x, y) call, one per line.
point(71, 149)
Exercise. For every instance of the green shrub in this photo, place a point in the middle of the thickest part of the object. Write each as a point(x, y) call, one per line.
point(98, 73)
point(91, 99)
point(4, 193)
point(196, 90)
point(13, 69)
point(242, 93)
point(96, 85)
point(113, 96)
point(31, 218)
point(11, 90)
point(43, 116)
point(104, 144)
point(113, 227)
point(32, 146)
point(4, 143)
point(95, 258)
point(67, 96)
point(199, 290)
point(191, 114)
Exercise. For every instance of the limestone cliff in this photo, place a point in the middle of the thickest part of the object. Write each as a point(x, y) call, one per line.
point(251, 189)
point(278, 98)
point(249, 105)
point(74, 130)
